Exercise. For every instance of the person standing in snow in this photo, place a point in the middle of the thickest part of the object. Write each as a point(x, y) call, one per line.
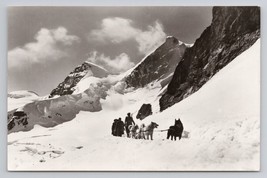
point(128, 121)
point(120, 128)
point(113, 128)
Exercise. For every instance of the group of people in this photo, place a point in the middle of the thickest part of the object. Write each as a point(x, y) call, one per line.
point(119, 126)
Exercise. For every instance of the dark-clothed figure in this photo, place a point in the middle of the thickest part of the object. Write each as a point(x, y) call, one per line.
point(113, 128)
point(128, 121)
point(120, 128)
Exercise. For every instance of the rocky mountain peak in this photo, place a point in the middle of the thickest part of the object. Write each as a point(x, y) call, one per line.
point(171, 40)
point(158, 65)
point(86, 69)
point(232, 31)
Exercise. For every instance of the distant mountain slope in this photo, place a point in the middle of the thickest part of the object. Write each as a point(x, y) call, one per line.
point(87, 69)
point(158, 65)
point(21, 94)
point(17, 99)
point(232, 31)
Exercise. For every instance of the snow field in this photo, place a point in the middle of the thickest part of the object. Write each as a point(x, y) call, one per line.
point(222, 118)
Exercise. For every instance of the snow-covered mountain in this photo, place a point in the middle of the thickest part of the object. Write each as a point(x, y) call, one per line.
point(193, 67)
point(224, 130)
point(158, 65)
point(209, 86)
point(86, 70)
point(81, 90)
point(226, 37)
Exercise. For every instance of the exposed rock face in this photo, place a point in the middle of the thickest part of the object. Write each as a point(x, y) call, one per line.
point(158, 65)
point(232, 31)
point(86, 69)
point(144, 111)
point(18, 118)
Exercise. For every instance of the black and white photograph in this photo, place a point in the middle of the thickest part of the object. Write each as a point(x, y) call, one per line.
point(133, 88)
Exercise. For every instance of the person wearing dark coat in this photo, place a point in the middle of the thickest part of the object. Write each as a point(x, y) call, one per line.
point(120, 128)
point(128, 121)
point(114, 126)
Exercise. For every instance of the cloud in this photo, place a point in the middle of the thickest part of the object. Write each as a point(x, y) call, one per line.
point(117, 30)
point(49, 45)
point(151, 39)
point(120, 63)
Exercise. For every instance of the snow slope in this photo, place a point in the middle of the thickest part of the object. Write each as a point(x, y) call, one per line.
point(97, 70)
point(222, 118)
point(22, 94)
point(17, 99)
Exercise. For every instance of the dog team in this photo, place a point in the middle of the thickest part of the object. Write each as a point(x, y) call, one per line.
point(143, 131)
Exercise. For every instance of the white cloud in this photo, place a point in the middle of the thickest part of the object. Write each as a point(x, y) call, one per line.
point(151, 39)
point(60, 34)
point(120, 63)
point(117, 30)
point(48, 46)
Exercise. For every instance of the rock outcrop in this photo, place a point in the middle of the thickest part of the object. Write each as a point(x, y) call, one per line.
point(144, 111)
point(158, 65)
point(232, 31)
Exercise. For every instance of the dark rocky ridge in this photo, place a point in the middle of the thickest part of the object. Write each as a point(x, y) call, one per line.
point(158, 65)
point(67, 86)
point(232, 31)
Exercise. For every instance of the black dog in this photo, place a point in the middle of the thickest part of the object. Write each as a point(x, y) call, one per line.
point(176, 130)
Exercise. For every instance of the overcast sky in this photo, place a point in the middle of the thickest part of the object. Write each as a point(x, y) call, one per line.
point(46, 43)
